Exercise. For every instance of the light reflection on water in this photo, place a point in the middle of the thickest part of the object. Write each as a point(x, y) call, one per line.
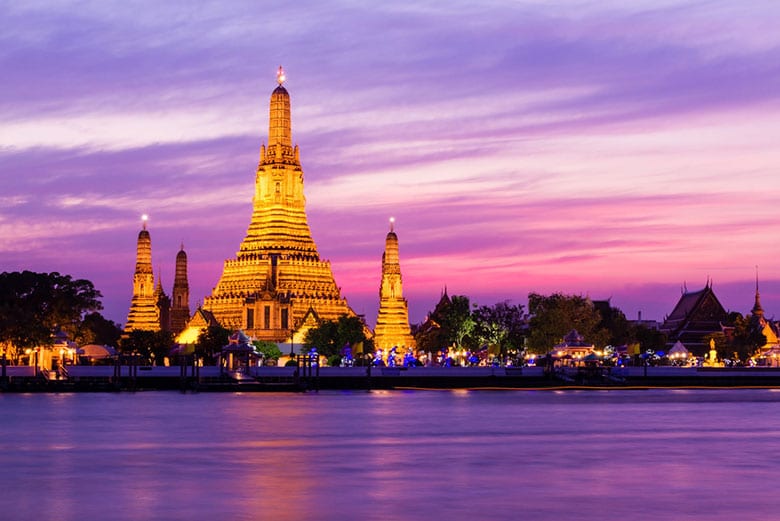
point(637, 455)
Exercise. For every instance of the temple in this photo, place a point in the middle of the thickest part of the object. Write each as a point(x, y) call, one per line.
point(696, 315)
point(759, 324)
point(180, 307)
point(277, 285)
point(392, 323)
point(144, 311)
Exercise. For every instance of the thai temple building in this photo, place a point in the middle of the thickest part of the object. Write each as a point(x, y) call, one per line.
point(151, 309)
point(163, 303)
point(180, 306)
point(144, 311)
point(277, 285)
point(200, 320)
point(758, 322)
point(696, 315)
point(392, 323)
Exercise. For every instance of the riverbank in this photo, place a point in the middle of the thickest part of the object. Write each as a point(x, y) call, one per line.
point(294, 379)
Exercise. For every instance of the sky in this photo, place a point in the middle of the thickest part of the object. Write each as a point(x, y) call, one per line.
point(612, 149)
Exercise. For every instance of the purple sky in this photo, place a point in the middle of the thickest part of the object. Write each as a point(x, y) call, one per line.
point(577, 146)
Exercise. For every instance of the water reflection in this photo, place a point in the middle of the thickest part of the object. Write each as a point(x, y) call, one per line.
point(398, 455)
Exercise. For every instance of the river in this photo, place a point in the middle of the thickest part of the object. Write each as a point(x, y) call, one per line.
point(416, 455)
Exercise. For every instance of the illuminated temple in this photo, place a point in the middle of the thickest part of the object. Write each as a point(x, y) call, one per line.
point(392, 322)
point(277, 285)
point(145, 310)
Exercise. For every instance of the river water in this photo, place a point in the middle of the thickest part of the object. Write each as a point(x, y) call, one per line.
point(417, 455)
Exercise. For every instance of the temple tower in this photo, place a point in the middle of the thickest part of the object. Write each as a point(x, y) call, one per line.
point(180, 307)
point(163, 305)
point(143, 307)
point(392, 322)
point(277, 278)
point(757, 311)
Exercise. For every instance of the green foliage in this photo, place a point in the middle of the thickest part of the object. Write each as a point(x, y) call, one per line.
point(96, 329)
point(334, 360)
point(33, 305)
point(269, 350)
point(331, 336)
point(647, 338)
point(430, 338)
point(151, 346)
point(747, 338)
point(458, 321)
point(210, 343)
point(614, 322)
point(553, 316)
point(451, 323)
point(500, 327)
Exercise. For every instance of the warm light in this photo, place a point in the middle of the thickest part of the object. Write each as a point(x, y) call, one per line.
point(280, 76)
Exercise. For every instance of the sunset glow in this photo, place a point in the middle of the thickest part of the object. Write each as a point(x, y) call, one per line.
point(618, 150)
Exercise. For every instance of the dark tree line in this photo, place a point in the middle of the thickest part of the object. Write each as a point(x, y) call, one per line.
point(33, 306)
point(456, 323)
point(331, 336)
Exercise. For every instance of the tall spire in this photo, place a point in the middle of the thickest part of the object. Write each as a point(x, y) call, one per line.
point(143, 307)
point(280, 129)
point(757, 309)
point(277, 276)
point(392, 322)
point(180, 307)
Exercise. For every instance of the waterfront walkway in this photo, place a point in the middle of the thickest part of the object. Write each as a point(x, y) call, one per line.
point(308, 378)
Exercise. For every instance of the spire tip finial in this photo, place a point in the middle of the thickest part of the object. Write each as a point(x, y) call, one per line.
point(392, 222)
point(280, 76)
point(144, 218)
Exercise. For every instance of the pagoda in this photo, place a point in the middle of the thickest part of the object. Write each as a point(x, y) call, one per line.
point(277, 285)
point(392, 322)
point(180, 307)
point(144, 311)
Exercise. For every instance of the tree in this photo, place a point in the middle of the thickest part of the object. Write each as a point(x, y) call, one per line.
point(649, 339)
point(748, 336)
point(500, 326)
point(330, 336)
point(34, 305)
point(457, 322)
point(210, 343)
point(152, 346)
point(96, 329)
point(553, 316)
point(269, 350)
point(614, 322)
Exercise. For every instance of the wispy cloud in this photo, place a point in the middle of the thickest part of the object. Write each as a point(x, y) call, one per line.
point(598, 147)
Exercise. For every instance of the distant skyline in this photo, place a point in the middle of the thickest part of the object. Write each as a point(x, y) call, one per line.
point(611, 149)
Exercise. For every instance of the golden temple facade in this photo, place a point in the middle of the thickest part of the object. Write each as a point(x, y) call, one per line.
point(277, 283)
point(392, 322)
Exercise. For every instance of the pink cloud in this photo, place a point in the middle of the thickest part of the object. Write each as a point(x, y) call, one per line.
point(617, 152)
